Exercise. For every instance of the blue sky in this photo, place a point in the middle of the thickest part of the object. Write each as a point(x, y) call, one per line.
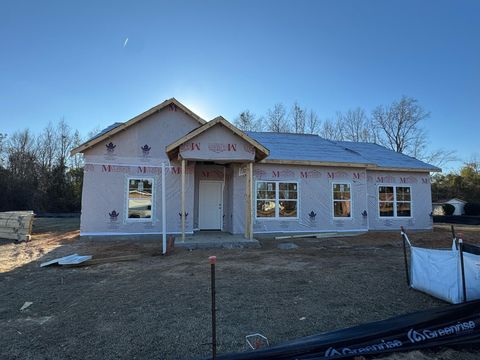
point(68, 59)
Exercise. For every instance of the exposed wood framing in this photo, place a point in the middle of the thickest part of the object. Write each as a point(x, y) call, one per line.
point(135, 120)
point(183, 198)
point(249, 202)
point(260, 153)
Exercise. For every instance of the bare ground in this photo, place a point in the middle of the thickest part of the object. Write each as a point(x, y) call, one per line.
point(159, 307)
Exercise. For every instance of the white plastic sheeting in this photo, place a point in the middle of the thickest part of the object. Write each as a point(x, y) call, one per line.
point(439, 273)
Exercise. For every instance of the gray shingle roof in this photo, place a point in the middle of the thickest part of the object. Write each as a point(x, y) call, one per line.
point(299, 147)
point(285, 146)
point(383, 157)
point(107, 129)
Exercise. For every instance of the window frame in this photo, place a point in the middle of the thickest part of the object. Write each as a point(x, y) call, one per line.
point(395, 216)
point(127, 192)
point(333, 200)
point(277, 200)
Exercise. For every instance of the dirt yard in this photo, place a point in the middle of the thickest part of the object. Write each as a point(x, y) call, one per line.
point(159, 307)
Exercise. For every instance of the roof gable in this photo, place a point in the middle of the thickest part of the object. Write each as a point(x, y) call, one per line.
point(118, 127)
point(257, 150)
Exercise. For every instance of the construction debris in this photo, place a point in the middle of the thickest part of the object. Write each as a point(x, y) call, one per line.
point(86, 260)
point(109, 260)
point(16, 225)
point(256, 341)
point(73, 259)
point(26, 305)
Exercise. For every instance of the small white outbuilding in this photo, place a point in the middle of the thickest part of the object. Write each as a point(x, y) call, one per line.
point(458, 204)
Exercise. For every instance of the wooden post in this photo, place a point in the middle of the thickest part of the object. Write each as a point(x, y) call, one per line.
point(249, 202)
point(183, 198)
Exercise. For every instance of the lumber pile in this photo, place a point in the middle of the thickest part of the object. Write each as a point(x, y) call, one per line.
point(16, 225)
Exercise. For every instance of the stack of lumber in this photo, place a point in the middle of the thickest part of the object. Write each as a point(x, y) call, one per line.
point(16, 225)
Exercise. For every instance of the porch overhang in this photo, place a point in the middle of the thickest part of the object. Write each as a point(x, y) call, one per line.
point(217, 141)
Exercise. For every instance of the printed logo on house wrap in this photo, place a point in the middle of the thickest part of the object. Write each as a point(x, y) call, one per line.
point(408, 180)
point(113, 215)
point(314, 174)
point(110, 147)
point(259, 173)
point(190, 147)
point(219, 147)
point(381, 346)
point(249, 148)
point(146, 150)
point(284, 174)
point(423, 335)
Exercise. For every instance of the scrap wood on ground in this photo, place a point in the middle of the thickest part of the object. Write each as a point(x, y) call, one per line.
point(16, 225)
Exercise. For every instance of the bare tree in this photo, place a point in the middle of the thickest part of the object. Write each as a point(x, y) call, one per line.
point(276, 119)
point(474, 163)
point(312, 125)
point(247, 121)
point(439, 157)
point(94, 132)
point(47, 147)
point(65, 142)
point(297, 116)
point(3, 140)
point(21, 154)
point(399, 125)
point(76, 161)
point(332, 130)
point(356, 126)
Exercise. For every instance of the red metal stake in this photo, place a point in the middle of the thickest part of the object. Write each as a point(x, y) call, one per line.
point(213, 260)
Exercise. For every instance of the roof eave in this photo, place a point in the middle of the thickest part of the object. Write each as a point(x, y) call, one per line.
point(316, 163)
point(432, 169)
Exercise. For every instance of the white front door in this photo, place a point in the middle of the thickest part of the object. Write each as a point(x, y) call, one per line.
point(210, 205)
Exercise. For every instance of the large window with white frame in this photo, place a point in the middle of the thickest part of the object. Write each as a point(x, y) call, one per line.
point(140, 199)
point(276, 199)
point(342, 200)
point(394, 201)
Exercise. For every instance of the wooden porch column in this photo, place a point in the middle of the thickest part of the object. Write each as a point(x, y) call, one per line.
point(249, 202)
point(183, 199)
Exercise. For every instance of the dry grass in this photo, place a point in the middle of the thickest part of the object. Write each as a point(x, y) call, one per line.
point(158, 307)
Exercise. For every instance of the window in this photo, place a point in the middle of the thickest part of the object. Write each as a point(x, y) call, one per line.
point(342, 201)
point(394, 201)
point(404, 201)
point(287, 199)
point(275, 199)
point(140, 199)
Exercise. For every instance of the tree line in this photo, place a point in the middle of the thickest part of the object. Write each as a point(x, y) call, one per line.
point(464, 185)
point(398, 126)
point(37, 172)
